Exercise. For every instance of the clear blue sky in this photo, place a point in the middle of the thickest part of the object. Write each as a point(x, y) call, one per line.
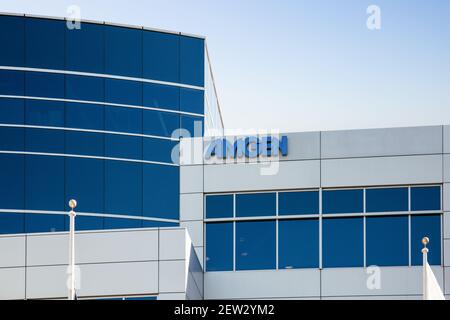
point(300, 65)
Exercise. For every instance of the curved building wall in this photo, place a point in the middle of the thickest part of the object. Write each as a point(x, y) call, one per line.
point(89, 114)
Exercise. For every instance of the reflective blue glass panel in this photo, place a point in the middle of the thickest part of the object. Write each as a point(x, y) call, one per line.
point(298, 243)
point(48, 85)
point(12, 83)
point(191, 100)
point(123, 51)
point(255, 245)
point(123, 92)
point(219, 206)
point(44, 223)
point(84, 143)
point(193, 125)
point(192, 68)
point(44, 113)
point(387, 241)
point(161, 187)
point(11, 223)
point(255, 204)
point(12, 111)
point(426, 226)
point(122, 146)
point(161, 56)
point(46, 174)
point(85, 116)
point(160, 150)
point(44, 43)
point(161, 96)
point(123, 188)
point(158, 123)
point(342, 201)
point(85, 48)
point(12, 32)
point(84, 181)
point(219, 247)
point(85, 223)
point(85, 88)
point(118, 223)
point(120, 119)
point(12, 139)
point(425, 198)
point(386, 199)
point(44, 140)
point(304, 202)
point(12, 186)
point(158, 224)
point(342, 242)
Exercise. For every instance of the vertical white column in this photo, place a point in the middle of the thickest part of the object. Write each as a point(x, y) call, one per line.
point(72, 214)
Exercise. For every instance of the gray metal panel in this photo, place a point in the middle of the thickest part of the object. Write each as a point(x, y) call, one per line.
point(172, 296)
point(172, 276)
point(303, 146)
point(195, 231)
point(191, 179)
point(12, 251)
point(447, 139)
point(447, 281)
point(447, 168)
point(48, 249)
point(191, 206)
point(394, 281)
point(382, 171)
point(172, 244)
point(446, 196)
point(262, 284)
point(382, 142)
point(262, 176)
point(12, 282)
point(446, 225)
point(447, 252)
point(47, 282)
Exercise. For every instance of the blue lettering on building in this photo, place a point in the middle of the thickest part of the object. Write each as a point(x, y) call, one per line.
point(250, 147)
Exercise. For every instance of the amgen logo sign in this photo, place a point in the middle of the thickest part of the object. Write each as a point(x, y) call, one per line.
point(249, 147)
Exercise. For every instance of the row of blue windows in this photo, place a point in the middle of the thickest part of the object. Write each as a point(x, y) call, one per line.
point(87, 144)
point(98, 48)
point(13, 223)
point(387, 243)
point(396, 199)
point(35, 182)
point(75, 87)
point(97, 117)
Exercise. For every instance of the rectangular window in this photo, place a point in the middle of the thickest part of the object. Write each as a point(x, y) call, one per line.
point(85, 116)
point(425, 198)
point(12, 177)
point(161, 56)
point(192, 100)
point(12, 139)
point(255, 204)
point(386, 199)
point(44, 223)
point(219, 206)
point(44, 113)
point(342, 201)
point(84, 143)
point(12, 83)
point(85, 48)
point(192, 61)
point(46, 174)
point(219, 247)
point(12, 111)
point(387, 241)
point(161, 96)
point(12, 32)
point(84, 181)
point(44, 43)
point(426, 226)
point(120, 119)
point(304, 202)
point(46, 85)
point(122, 146)
point(120, 223)
point(12, 223)
point(160, 150)
point(343, 244)
point(255, 245)
point(298, 243)
point(44, 140)
point(161, 190)
point(158, 123)
point(123, 188)
point(123, 51)
point(85, 88)
point(123, 92)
